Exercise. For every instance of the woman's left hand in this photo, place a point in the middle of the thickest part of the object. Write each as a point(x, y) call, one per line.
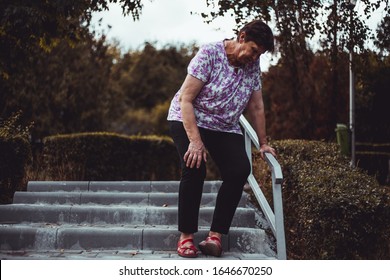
point(267, 149)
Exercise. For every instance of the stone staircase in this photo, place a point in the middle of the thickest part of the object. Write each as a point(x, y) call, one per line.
point(116, 220)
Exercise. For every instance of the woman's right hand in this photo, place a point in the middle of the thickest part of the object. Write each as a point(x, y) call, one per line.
point(195, 154)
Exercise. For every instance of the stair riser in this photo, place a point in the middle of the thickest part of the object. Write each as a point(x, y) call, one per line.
point(115, 215)
point(160, 239)
point(121, 186)
point(144, 199)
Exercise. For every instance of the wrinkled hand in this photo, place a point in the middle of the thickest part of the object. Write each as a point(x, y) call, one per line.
point(267, 149)
point(194, 155)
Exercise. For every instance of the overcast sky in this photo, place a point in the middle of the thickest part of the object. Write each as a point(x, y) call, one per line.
point(171, 22)
point(165, 21)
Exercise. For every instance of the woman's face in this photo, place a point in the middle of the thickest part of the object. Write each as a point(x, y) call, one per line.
point(248, 52)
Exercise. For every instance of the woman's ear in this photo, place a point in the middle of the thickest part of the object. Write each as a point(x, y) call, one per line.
point(241, 37)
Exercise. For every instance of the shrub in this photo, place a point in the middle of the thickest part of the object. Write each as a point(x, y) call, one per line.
point(15, 154)
point(135, 121)
point(144, 121)
point(159, 118)
point(109, 156)
point(332, 211)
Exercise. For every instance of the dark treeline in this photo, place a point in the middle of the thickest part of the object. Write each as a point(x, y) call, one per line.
point(313, 113)
point(65, 80)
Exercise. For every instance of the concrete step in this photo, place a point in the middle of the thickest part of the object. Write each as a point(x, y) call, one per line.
point(91, 237)
point(115, 186)
point(65, 254)
point(141, 216)
point(95, 214)
point(109, 198)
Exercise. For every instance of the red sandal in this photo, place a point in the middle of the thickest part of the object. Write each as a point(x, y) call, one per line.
point(187, 251)
point(211, 246)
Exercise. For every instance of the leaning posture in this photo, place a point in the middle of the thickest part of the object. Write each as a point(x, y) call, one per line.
point(222, 81)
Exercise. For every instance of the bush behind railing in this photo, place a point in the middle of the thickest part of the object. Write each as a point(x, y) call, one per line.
point(331, 210)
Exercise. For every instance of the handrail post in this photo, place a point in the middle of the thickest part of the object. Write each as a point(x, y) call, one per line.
point(275, 218)
point(279, 223)
point(278, 207)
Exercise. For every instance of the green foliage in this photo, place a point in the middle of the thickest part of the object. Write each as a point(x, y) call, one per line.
point(15, 154)
point(151, 76)
point(50, 65)
point(145, 82)
point(383, 35)
point(13, 127)
point(159, 118)
point(109, 156)
point(143, 121)
point(298, 21)
point(332, 211)
point(25, 25)
point(92, 87)
point(64, 90)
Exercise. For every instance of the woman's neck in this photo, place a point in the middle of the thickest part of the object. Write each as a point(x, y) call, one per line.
point(231, 49)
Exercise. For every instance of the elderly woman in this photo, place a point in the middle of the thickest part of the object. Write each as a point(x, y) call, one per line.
point(223, 80)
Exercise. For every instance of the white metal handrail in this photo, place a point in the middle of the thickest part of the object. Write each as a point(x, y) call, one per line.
point(275, 218)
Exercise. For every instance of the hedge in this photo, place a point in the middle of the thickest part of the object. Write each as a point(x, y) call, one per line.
point(332, 211)
point(109, 156)
point(15, 155)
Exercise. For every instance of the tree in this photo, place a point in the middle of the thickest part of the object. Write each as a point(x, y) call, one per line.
point(300, 20)
point(52, 68)
point(308, 115)
point(383, 35)
point(147, 80)
point(65, 90)
point(73, 84)
point(152, 76)
point(27, 27)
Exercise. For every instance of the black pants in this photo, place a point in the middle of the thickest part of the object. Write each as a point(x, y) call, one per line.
point(228, 152)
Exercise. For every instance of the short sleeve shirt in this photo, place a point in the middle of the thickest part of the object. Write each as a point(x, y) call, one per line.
point(226, 92)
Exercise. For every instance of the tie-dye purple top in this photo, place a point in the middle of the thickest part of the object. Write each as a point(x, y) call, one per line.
point(225, 94)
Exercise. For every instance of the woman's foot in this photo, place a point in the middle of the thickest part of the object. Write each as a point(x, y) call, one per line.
point(211, 246)
point(186, 248)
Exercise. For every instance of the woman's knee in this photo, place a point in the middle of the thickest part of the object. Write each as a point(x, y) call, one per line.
point(238, 171)
point(194, 174)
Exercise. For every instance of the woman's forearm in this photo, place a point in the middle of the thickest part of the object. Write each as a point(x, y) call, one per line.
point(189, 122)
point(196, 151)
point(189, 91)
